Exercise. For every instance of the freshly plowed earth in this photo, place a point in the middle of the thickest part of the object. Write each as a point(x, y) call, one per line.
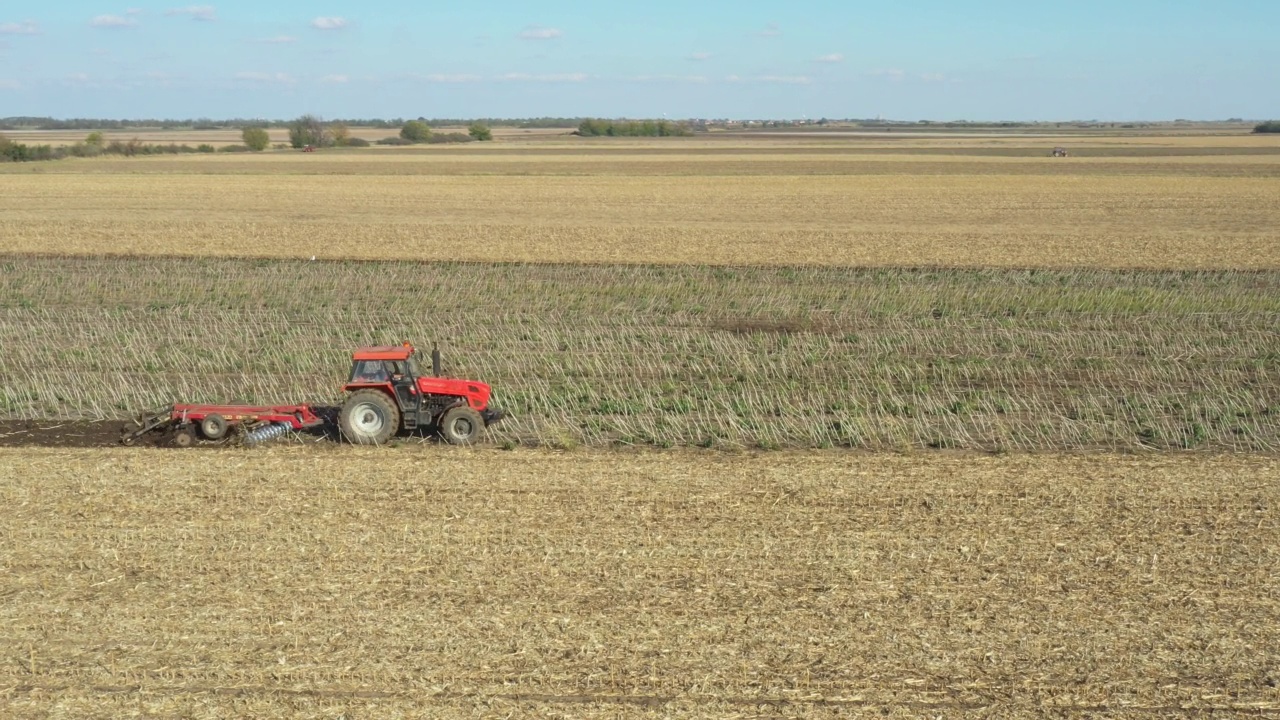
point(336, 581)
point(65, 434)
point(108, 433)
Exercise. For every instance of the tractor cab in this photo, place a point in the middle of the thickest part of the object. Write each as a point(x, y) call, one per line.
point(388, 393)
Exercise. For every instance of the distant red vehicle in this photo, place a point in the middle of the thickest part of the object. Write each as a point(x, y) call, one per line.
point(387, 395)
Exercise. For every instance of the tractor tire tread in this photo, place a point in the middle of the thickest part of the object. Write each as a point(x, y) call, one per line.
point(450, 428)
point(390, 412)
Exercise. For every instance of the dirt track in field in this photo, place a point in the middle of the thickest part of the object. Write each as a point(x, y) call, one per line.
point(80, 434)
point(107, 433)
point(62, 434)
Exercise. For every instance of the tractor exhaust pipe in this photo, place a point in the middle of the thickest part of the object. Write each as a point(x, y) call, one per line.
point(435, 360)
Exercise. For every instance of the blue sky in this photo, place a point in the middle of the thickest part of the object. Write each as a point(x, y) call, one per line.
point(921, 59)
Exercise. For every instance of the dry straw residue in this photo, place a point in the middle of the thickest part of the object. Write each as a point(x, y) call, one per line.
point(723, 357)
point(690, 203)
point(455, 583)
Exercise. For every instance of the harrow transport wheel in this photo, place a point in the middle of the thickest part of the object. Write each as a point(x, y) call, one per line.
point(183, 437)
point(461, 426)
point(368, 417)
point(213, 427)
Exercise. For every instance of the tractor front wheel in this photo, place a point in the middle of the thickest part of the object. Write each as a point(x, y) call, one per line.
point(369, 417)
point(461, 426)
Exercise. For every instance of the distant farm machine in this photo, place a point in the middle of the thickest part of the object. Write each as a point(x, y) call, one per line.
point(386, 395)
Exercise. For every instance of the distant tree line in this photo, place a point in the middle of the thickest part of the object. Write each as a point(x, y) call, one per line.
point(311, 131)
point(94, 146)
point(48, 123)
point(1271, 126)
point(592, 127)
point(306, 131)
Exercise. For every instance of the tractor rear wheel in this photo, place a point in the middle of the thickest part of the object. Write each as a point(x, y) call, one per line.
point(461, 426)
point(368, 417)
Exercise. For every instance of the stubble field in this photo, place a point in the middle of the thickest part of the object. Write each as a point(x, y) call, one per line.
point(711, 202)
point(940, 298)
point(661, 356)
point(401, 583)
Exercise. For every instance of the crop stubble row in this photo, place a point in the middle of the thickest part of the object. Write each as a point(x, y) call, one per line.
point(768, 357)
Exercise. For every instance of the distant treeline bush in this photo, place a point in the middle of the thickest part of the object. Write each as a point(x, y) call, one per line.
point(1271, 126)
point(47, 123)
point(631, 128)
point(21, 152)
point(432, 139)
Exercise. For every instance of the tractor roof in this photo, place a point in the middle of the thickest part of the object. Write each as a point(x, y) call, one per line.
point(383, 352)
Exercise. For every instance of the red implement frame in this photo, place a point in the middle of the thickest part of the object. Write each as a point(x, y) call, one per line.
point(180, 416)
point(298, 416)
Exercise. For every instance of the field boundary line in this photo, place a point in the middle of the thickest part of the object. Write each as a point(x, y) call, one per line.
point(1261, 709)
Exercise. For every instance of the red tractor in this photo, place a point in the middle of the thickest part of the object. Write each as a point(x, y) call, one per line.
point(388, 394)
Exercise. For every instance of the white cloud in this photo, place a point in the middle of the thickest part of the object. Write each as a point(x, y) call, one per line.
point(933, 77)
point(336, 79)
point(10, 85)
point(26, 27)
point(78, 78)
point(534, 32)
point(446, 78)
point(262, 77)
point(553, 78)
point(700, 56)
point(205, 13)
point(163, 79)
point(771, 79)
point(696, 79)
point(133, 11)
point(892, 73)
point(278, 40)
point(832, 58)
point(785, 79)
point(330, 23)
point(770, 30)
point(112, 21)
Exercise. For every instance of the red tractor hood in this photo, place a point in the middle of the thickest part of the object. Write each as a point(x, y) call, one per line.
point(476, 393)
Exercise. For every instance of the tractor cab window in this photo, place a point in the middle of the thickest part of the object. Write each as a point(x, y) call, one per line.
point(412, 367)
point(397, 367)
point(370, 371)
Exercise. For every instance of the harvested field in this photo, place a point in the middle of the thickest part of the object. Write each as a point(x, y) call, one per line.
point(289, 582)
point(929, 295)
point(1212, 203)
point(665, 356)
